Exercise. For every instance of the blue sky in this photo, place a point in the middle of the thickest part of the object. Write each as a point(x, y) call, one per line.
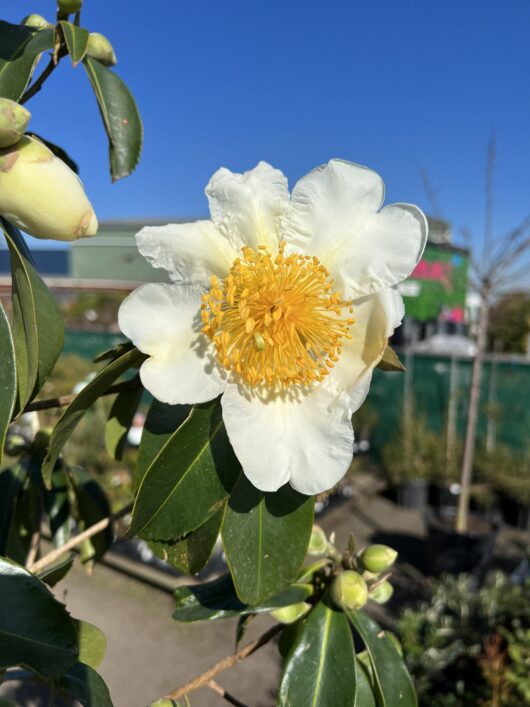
point(393, 85)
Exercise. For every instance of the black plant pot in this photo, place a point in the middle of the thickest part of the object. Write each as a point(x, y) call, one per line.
point(452, 552)
point(514, 513)
point(413, 494)
point(523, 517)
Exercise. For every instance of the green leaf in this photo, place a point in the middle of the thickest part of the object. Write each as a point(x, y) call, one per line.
point(11, 484)
point(35, 629)
point(392, 681)
point(8, 378)
point(320, 667)
point(83, 683)
point(92, 506)
point(54, 574)
point(21, 49)
point(188, 480)
point(390, 361)
point(57, 505)
point(115, 352)
point(81, 403)
point(191, 554)
point(76, 39)
point(265, 537)
point(38, 329)
point(91, 643)
point(364, 695)
point(120, 420)
point(218, 600)
point(120, 117)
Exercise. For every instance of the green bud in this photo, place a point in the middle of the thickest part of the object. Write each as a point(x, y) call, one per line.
point(318, 542)
point(68, 7)
point(378, 558)
point(290, 614)
point(14, 120)
point(349, 591)
point(100, 48)
point(41, 195)
point(35, 21)
point(382, 592)
point(15, 445)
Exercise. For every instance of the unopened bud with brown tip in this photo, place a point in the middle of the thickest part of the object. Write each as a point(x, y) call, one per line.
point(318, 542)
point(100, 48)
point(41, 195)
point(68, 7)
point(382, 592)
point(349, 590)
point(378, 558)
point(14, 120)
point(35, 21)
point(290, 614)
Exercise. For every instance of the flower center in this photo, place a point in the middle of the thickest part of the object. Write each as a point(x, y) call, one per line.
point(276, 320)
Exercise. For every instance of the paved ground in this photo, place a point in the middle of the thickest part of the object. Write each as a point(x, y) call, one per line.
point(149, 654)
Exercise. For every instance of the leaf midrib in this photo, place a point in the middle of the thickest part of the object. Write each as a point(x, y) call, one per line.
point(325, 641)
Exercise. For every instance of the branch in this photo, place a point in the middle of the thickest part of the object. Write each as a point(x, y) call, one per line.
point(54, 555)
point(229, 661)
point(224, 694)
point(64, 400)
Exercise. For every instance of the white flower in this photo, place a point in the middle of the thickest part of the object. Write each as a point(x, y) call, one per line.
point(282, 305)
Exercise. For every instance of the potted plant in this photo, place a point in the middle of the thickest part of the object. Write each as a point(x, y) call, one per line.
point(508, 472)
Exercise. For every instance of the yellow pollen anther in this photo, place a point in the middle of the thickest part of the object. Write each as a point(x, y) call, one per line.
point(276, 320)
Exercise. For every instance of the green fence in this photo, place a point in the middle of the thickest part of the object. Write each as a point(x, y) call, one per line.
point(89, 344)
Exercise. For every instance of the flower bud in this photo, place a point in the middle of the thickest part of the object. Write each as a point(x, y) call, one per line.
point(378, 558)
point(35, 21)
point(318, 542)
point(68, 7)
point(100, 48)
point(349, 591)
point(381, 593)
point(290, 614)
point(14, 120)
point(41, 195)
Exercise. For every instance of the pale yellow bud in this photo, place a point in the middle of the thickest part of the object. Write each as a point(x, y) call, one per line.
point(41, 195)
point(100, 48)
point(382, 592)
point(349, 591)
point(378, 558)
point(35, 21)
point(67, 7)
point(318, 543)
point(14, 120)
point(290, 614)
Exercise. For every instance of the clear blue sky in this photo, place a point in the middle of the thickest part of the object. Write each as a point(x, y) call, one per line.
point(391, 84)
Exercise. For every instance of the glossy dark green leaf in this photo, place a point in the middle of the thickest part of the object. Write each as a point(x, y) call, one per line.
point(92, 506)
point(265, 537)
point(320, 667)
point(120, 420)
point(11, 484)
point(91, 643)
point(35, 629)
point(52, 575)
point(20, 48)
point(38, 329)
point(188, 480)
point(191, 554)
point(8, 377)
point(26, 521)
point(365, 692)
point(392, 681)
point(218, 600)
point(57, 506)
point(81, 403)
point(120, 117)
point(82, 682)
point(390, 361)
point(76, 39)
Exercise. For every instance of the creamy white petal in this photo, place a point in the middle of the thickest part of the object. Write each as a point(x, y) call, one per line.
point(163, 321)
point(190, 252)
point(376, 318)
point(248, 208)
point(333, 215)
point(305, 438)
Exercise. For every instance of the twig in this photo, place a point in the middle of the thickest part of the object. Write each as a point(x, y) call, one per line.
point(36, 87)
point(33, 548)
point(224, 694)
point(54, 555)
point(64, 400)
point(228, 662)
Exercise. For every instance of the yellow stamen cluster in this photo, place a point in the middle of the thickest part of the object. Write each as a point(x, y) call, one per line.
point(276, 320)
